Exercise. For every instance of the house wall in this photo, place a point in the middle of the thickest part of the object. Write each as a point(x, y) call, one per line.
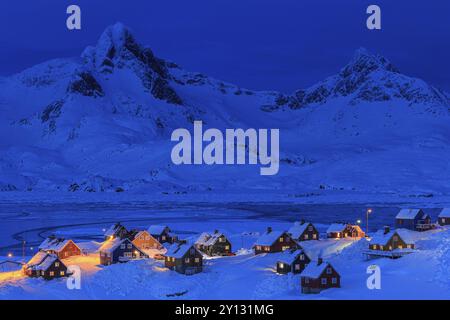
point(145, 241)
point(181, 265)
point(315, 285)
point(406, 223)
point(218, 249)
point(309, 234)
point(444, 221)
point(69, 250)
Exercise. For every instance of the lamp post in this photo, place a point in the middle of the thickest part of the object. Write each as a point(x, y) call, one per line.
point(369, 211)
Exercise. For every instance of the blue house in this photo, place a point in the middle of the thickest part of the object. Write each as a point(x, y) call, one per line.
point(413, 219)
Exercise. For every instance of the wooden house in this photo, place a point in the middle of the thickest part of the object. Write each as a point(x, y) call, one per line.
point(119, 250)
point(390, 243)
point(274, 241)
point(63, 248)
point(213, 244)
point(319, 276)
point(303, 231)
point(116, 231)
point(145, 241)
point(413, 219)
point(184, 258)
point(45, 265)
point(444, 217)
point(344, 230)
point(294, 261)
point(162, 234)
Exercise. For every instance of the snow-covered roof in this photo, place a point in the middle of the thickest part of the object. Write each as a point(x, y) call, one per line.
point(41, 261)
point(289, 256)
point(157, 229)
point(408, 214)
point(297, 229)
point(111, 245)
point(268, 238)
point(9, 265)
point(54, 244)
point(336, 227)
point(208, 239)
point(445, 213)
point(313, 270)
point(382, 239)
point(179, 250)
point(112, 231)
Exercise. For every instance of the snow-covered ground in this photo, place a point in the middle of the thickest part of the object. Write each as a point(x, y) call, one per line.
point(424, 274)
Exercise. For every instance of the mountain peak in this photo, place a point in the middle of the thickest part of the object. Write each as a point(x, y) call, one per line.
point(365, 62)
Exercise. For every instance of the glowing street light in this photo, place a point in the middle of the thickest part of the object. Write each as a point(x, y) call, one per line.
point(10, 255)
point(358, 221)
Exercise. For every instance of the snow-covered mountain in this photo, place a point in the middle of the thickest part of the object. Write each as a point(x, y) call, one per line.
point(102, 122)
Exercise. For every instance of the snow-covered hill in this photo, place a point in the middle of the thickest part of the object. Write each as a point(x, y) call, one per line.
point(102, 122)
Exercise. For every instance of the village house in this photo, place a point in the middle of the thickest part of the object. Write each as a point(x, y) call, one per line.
point(184, 258)
point(162, 234)
point(444, 217)
point(63, 248)
point(344, 230)
point(319, 276)
point(273, 241)
point(390, 243)
point(303, 231)
point(213, 244)
point(119, 250)
point(116, 231)
point(45, 265)
point(294, 261)
point(413, 219)
point(144, 240)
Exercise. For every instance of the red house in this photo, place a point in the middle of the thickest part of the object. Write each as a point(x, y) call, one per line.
point(61, 247)
point(319, 276)
point(274, 241)
point(344, 230)
point(444, 217)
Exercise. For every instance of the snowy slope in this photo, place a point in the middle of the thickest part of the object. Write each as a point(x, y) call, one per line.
point(102, 122)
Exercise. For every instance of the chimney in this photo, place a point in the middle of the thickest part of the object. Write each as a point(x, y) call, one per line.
point(319, 261)
point(387, 229)
point(216, 231)
point(269, 229)
point(302, 221)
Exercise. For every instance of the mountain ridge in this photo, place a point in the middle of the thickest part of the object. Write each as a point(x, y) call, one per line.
point(77, 124)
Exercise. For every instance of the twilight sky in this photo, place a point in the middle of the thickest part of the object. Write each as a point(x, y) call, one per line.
point(258, 44)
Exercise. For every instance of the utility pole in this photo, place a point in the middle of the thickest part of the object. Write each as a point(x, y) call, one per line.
point(369, 211)
point(23, 249)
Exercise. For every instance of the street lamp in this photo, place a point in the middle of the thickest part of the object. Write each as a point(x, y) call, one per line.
point(369, 211)
point(10, 255)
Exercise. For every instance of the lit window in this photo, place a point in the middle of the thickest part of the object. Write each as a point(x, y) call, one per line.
point(130, 246)
point(56, 264)
point(302, 257)
point(281, 239)
point(297, 266)
point(187, 260)
point(52, 273)
point(306, 237)
point(197, 260)
point(227, 247)
point(62, 273)
point(163, 238)
point(314, 236)
point(122, 246)
point(281, 264)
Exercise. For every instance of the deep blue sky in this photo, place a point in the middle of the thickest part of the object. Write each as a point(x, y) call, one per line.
point(258, 44)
